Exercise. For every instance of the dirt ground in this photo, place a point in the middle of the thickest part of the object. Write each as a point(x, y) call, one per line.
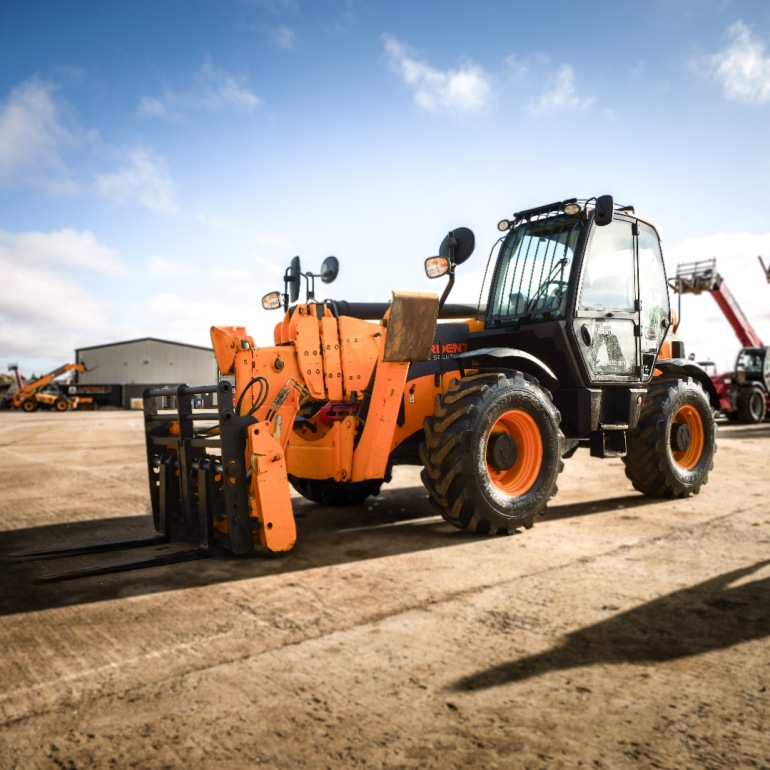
point(619, 632)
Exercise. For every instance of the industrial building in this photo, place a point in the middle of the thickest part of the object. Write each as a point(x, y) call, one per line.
point(118, 373)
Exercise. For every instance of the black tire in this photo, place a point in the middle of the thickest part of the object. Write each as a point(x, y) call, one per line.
point(61, 405)
point(671, 451)
point(751, 405)
point(336, 494)
point(492, 452)
point(28, 405)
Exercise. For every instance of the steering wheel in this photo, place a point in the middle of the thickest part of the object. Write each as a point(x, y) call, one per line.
point(542, 291)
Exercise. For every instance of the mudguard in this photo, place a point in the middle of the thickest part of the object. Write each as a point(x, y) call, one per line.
point(533, 364)
point(681, 367)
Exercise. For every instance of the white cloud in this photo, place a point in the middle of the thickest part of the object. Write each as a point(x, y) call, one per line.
point(467, 89)
point(33, 138)
point(162, 266)
point(560, 94)
point(144, 179)
point(742, 68)
point(65, 248)
point(517, 67)
point(157, 108)
point(218, 89)
point(42, 149)
point(212, 219)
point(46, 309)
point(189, 317)
point(284, 37)
point(214, 90)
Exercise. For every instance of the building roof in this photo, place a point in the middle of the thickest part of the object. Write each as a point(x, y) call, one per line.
point(144, 339)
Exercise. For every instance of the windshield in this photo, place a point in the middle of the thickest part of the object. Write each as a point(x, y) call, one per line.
point(533, 270)
point(750, 361)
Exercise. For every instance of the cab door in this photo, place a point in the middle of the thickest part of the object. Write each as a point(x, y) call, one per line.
point(654, 307)
point(606, 321)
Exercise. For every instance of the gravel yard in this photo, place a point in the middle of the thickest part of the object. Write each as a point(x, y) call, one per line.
point(619, 632)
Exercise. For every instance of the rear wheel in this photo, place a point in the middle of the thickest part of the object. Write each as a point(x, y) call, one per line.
point(492, 452)
point(751, 404)
point(337, 494)
point(671, 451)
point(28, 405)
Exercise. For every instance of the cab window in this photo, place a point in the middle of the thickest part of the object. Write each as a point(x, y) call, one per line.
point(653, 291)
point(608, 277)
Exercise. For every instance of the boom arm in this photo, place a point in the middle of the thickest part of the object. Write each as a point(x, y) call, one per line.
point(696, 277)
point(31, 387)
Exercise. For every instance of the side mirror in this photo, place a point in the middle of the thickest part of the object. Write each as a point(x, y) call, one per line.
point(272, 301)
point(603, 212)
point(458, 245)
point(330, 268)
point(435, 267)
point(293, 275)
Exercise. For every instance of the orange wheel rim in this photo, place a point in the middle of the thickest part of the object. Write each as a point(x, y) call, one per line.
point(522, 474)
point(688, 458)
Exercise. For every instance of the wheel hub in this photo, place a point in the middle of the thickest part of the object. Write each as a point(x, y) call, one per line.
point(680, 437)
point(502, 452)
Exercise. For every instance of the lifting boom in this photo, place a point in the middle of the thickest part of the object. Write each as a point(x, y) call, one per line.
point(697, 277)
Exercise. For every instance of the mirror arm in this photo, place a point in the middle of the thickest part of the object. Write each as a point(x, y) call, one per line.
point(452, 244)
point(309, 286)
point(679, 305)
point(447, 289)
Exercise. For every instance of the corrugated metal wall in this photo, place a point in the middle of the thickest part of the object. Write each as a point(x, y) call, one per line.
point(148, 362)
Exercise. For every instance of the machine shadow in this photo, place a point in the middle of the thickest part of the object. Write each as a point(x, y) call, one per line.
point(709, 616)
point(398, 521)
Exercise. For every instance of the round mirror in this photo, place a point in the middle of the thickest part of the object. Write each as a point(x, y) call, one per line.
point(463, 240)
point(330, 267)
point(293, 275)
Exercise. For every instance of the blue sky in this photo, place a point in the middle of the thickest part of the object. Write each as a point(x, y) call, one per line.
point(161, 162)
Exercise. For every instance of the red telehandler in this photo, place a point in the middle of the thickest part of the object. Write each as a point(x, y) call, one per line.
point(744, 394)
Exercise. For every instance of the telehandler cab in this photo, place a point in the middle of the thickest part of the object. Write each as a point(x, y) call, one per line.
point(571, 349)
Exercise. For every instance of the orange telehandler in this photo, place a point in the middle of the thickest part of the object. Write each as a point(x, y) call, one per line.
point(44, 392)
point(572, 349)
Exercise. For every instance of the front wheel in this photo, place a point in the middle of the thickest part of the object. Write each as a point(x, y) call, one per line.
point(671, 451)
point(492, 452)
point(751, 405)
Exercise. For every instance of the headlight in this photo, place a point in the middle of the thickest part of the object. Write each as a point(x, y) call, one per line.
point(570, 209)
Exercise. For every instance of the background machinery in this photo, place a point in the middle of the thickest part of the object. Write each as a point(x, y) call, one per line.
point(44, 392)
point(571, 349)
point(744, 394)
